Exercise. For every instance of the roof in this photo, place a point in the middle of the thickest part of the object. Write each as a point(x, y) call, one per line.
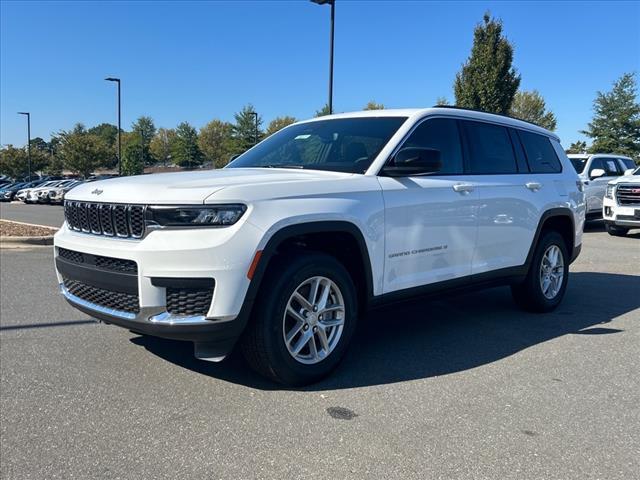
point(587, 155)
point(417, 113)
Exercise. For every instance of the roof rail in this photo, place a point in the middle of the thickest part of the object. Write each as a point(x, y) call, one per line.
point(455, 107)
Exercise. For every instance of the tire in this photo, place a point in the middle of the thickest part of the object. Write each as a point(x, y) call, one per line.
point(264, 345)
point(616, 231)
point(529, 294)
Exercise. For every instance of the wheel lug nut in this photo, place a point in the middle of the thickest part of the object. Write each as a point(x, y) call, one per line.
point(306, 327)
point(315, 308)
point(315, 329)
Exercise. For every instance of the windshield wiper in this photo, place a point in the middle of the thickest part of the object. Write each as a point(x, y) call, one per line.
point(283, 165)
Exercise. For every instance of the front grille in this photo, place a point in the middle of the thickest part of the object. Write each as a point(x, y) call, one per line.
point(189, 301)
point(124, 221)
point(123, 302)
point(628, 194)
point(104, 263)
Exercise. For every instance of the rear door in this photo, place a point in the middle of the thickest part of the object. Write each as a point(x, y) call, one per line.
point(509, 200)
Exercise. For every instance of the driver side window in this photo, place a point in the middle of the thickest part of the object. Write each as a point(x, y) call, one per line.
point(440, 134)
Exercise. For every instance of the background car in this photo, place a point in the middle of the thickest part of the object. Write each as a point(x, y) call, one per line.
point(595, 171)
point(23, 193)
point(56, 195)
point(621, 204)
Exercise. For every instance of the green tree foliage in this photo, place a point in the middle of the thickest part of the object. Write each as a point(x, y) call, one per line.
point(279, 123)
point(161, 145)
point(185, 151)
point(442, 101)
point(216, 142)
point(531, 107)
point(13, 162)
point(132, 163)
point(244, 129)
point(323, 111)
point(615, 127)
point(578, 147)
point(373, 106)
point(488, 80)
point(109, 135)
point(144, 129)
point(38, 144)
point(81, 151)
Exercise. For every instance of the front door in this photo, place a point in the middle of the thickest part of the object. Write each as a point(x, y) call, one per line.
point(430, 220)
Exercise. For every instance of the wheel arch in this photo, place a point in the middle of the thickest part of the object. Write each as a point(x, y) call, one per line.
point(560, 220)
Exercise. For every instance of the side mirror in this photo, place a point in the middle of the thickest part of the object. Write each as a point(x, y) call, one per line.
point(629, 171)
point(414, 161)
point(597, 173)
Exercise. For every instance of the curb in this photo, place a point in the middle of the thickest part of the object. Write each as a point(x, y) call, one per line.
point(21, 242)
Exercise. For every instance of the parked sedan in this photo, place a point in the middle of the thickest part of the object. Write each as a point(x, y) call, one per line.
point(23, 194)
point(41, 194)
point(56, 195)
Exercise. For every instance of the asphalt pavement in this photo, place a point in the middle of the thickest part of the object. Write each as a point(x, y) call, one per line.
point(460, 388)
point(49, 215)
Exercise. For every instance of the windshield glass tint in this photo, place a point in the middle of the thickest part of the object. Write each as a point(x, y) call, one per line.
point(340, 145)
point(578, 164)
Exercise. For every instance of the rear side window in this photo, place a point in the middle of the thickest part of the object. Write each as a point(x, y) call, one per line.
point(627, 163)
point(490, 149)
point(541, 156)
point(439, 134)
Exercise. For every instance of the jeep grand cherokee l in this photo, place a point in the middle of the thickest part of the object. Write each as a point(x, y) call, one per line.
point(285, 248)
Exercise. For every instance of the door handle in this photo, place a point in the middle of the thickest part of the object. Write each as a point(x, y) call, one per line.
point(463, 187)
point(533, 186)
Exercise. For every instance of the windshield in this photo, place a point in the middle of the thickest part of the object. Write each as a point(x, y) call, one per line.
point(340, 145)
point(578, 164)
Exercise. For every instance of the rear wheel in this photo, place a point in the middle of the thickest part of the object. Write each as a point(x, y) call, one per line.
point(616, 231)
point(546, 281)
point(300, 328)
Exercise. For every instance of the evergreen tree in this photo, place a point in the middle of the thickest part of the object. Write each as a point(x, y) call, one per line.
point(373, 106)
point(244, 129)
point(185, 151)
point(144, 129)
point(323, 111)
point(531, 107)
point(578, 147)
point(615, 127)
point(488, 80)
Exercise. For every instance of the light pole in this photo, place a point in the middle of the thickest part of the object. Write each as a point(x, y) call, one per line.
point(332, 3)
point(117, 80)
point(256, 126)
point(28, 139)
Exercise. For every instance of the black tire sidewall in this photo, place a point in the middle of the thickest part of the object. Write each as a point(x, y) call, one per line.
point(287, 275)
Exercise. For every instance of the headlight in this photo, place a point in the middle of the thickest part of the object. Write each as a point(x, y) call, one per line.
point(196, 216)
point(609, 193)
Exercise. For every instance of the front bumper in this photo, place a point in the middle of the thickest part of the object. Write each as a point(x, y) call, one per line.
point(172, 256)
point(620, 215)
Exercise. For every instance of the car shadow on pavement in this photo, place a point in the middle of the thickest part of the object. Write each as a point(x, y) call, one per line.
point(427, 338)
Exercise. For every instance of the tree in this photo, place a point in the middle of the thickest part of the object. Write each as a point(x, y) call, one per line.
point(442, 101)
point(323, 111)
point(615, 127)
point(185, 150)
point(487, 80)
point(109, 135)
point(14, 162)
point(578, 147)
point(161, 145)
point(279, 123)
point(132, 163)
point(145, 130)
point(244, 130)
point(373, 106)
point(531, 107)
point(81, 151)
point(216, 142)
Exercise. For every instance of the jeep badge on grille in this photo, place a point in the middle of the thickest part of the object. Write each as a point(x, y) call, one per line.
point(97, 191)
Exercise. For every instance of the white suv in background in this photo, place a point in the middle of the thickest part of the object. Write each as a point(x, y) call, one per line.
point(595, 172)
point(286, 247)
point(621, 210)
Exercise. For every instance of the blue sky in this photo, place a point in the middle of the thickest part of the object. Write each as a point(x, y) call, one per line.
point(196, 61)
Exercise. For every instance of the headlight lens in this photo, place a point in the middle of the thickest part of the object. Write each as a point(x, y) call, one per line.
point(196, 216)
point(609, 193)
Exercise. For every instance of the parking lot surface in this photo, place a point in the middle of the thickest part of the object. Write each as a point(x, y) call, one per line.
point(49, 215)
point(467, 387)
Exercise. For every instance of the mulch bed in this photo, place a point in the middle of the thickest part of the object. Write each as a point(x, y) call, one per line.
point(13, 229)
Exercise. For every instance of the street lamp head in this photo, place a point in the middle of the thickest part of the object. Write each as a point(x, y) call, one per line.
point(23, 113)
point(112, 79)
point(324, 2)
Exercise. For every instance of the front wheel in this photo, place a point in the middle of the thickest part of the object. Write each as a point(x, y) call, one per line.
point(303, 320)
point(546, 281)
point(616, 231)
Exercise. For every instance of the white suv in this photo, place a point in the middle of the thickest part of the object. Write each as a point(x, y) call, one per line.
point(596, 171)
point(621, 205)
point(284, 248)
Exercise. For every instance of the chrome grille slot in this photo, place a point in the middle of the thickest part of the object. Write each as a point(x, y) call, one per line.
point(628, 194)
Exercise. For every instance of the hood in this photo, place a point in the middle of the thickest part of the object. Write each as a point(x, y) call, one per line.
point(189, 187)
point(626, 179)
